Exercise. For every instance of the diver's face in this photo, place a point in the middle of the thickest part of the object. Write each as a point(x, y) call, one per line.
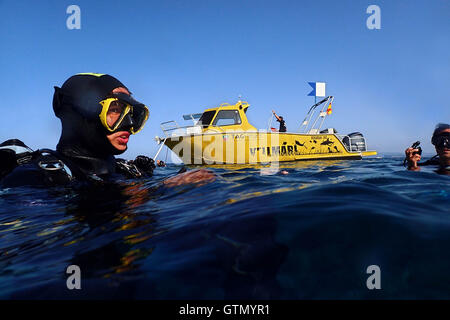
point(444, 153)
point(119, 140)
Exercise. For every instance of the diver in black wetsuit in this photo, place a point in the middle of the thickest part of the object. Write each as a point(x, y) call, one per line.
point(441, 142)
point(98, 115)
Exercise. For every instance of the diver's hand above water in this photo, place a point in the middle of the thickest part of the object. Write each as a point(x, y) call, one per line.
point(201, 176)
point(412, 159)
point(145, 163)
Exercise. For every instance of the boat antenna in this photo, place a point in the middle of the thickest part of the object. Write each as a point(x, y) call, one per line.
point(239, 97)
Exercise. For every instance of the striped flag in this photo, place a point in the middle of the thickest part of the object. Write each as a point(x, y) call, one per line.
point(329, 109)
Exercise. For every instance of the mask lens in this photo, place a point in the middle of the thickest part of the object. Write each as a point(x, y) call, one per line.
point(115, 113)
point(442, 140)
point(123, 113)
point(139, 116)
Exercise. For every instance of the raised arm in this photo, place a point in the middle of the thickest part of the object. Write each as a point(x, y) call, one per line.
point(276, 116)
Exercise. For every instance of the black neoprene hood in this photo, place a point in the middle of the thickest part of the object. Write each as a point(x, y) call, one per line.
point(83, 92)
point(76, 103)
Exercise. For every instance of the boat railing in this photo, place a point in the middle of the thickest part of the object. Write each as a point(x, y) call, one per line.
point(173, 129)
point(353, 144)
point(310, 126)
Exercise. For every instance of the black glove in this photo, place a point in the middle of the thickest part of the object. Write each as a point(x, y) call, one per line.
point(145, 163)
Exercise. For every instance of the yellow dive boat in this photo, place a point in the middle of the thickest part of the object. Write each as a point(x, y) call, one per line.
point(223, 135)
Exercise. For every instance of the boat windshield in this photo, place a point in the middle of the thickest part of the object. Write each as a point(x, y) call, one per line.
point(227, 118)
point(206, 118)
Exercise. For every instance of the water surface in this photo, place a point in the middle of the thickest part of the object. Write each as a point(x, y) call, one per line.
point(308, 234)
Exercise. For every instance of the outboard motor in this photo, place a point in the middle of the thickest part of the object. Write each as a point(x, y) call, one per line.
point(355, 141)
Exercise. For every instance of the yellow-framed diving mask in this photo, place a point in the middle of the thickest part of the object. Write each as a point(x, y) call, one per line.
point(121, 112)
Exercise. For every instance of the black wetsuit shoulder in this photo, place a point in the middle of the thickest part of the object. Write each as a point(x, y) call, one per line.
point(434, 161)
point(53, 169)
point(42, 171)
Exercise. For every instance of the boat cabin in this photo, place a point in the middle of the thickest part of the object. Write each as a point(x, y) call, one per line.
point(224, 118)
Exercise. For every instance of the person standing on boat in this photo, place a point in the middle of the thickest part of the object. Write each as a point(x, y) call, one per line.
point(281, 121)
point(441, 142)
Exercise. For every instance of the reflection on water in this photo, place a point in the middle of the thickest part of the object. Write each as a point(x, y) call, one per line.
point(310, 233)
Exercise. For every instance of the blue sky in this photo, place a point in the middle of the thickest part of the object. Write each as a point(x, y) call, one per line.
point(180, 57)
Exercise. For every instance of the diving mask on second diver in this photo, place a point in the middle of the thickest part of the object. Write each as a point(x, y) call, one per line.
point(121, 112)
point(441, 140)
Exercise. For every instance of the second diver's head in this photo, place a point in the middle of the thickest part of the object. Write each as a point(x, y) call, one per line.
point(97, 114)
point(441, 141)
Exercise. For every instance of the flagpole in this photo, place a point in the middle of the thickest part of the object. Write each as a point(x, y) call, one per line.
point(318, 89)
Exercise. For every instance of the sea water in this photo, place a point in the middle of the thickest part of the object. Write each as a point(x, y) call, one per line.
point(253, 233)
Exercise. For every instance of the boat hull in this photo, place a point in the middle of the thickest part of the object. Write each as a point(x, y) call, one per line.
point(259, 147)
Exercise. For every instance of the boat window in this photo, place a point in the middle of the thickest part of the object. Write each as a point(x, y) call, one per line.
point(206, 118)
point(227, 118)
